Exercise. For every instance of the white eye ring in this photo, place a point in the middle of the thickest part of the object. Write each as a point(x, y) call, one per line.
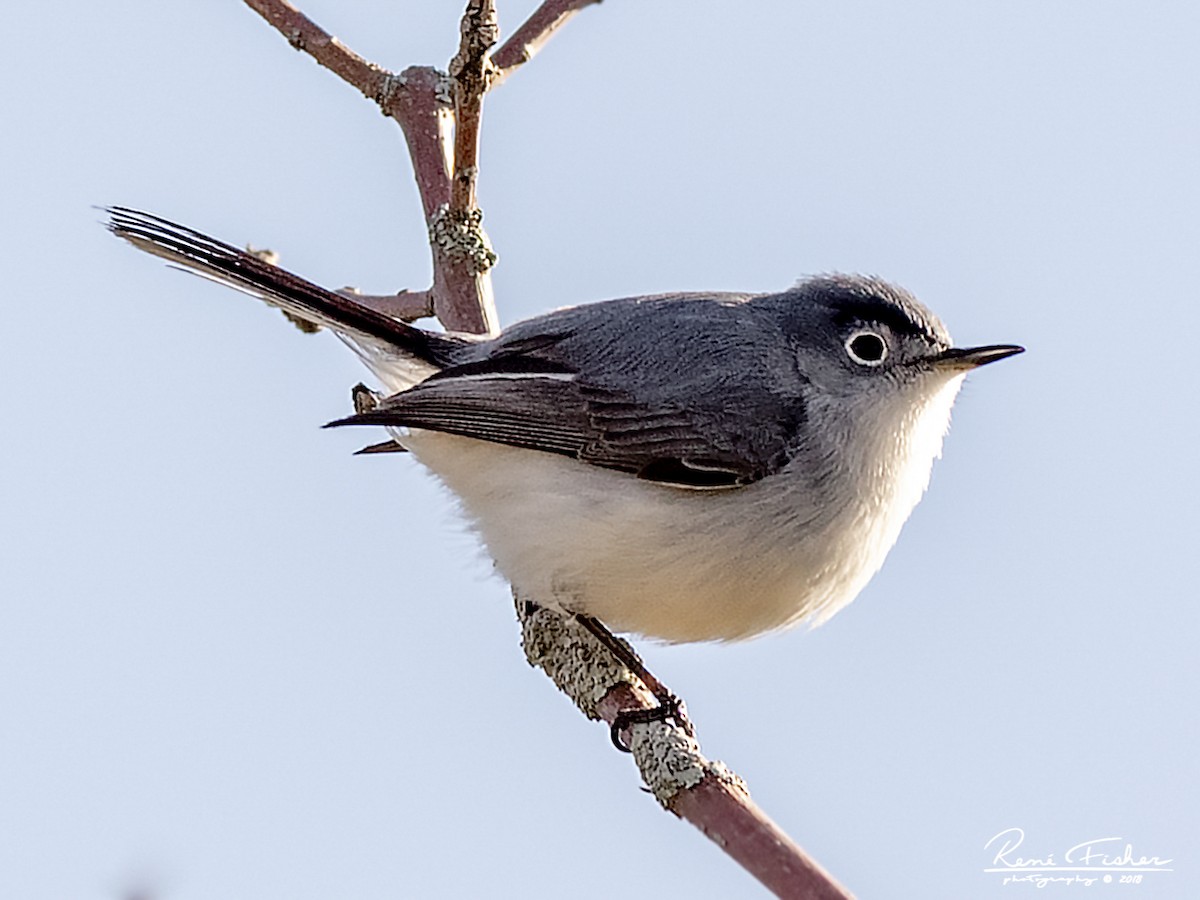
point(866, 347)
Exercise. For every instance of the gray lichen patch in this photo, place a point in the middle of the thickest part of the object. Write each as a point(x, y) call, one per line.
point(460, 239)
point(576, 662)
point(443, 91)
point(669, 760)
point(389, 85)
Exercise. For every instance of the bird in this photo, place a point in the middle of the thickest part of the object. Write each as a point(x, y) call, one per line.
point(686, 467)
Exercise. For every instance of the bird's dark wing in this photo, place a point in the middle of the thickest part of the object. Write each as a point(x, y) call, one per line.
point(693, 391)
point(558, 412)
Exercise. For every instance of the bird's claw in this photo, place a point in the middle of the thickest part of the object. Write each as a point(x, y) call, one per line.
point(669, 707)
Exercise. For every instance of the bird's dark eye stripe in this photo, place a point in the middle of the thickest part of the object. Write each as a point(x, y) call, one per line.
point(895, 319)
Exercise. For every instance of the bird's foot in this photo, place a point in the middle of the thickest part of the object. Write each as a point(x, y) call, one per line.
point(669, 704)
point(669, 707)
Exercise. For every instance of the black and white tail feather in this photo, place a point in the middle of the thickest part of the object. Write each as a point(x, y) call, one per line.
point(395, 351)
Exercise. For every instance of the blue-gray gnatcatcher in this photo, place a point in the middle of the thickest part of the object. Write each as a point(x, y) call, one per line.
point(689, 467)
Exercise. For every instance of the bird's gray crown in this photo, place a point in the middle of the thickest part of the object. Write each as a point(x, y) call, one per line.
point(848, 300)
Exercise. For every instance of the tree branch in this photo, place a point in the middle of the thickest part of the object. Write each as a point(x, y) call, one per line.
point(703, 792)
point(698, 790)
point(419, 100)
point(470, 71)
point(527, 40)
point(462, 291)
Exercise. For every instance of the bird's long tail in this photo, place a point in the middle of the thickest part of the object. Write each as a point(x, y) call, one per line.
point(372, 333)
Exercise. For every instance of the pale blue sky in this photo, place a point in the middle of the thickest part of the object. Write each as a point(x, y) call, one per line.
point(237, 662)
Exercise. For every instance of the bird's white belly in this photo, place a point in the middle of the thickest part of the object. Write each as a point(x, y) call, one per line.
point(669, 563)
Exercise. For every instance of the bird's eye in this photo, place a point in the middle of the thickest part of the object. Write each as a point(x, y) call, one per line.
point(866, 348)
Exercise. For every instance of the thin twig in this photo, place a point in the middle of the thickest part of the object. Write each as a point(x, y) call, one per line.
point(407, 306)
point(469, 69)
point(532, 36)
point(306, 35)
point(724, 812)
